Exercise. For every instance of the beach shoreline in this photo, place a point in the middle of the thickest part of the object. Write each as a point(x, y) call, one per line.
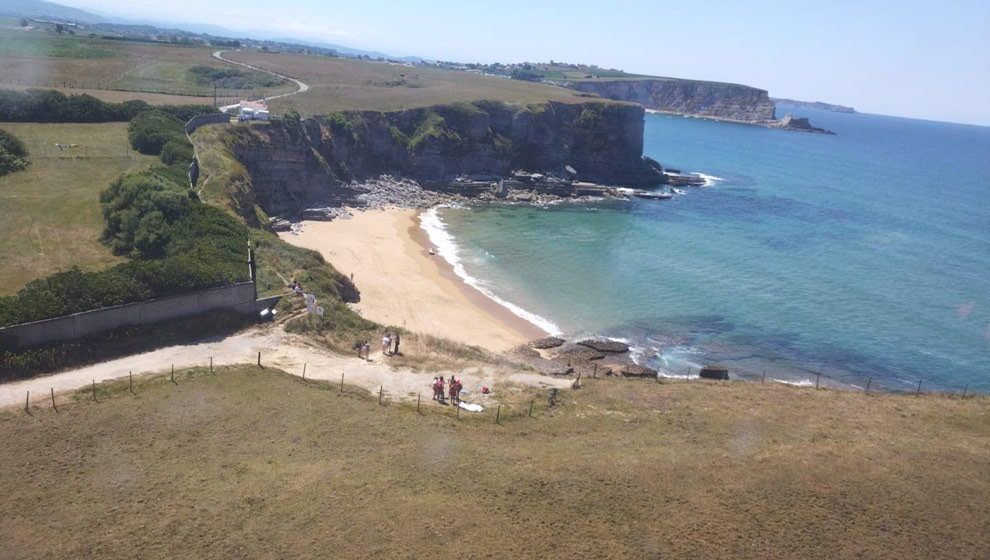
point(402, 284)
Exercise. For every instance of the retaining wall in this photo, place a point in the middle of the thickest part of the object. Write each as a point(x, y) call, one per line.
point(200, 120)
point(237, 297)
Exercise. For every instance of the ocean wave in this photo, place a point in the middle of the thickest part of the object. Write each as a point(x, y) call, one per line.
point(445, 245)
point(801, 383)
point(710, 180)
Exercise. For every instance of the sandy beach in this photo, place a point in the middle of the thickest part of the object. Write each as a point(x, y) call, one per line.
point(402, 284)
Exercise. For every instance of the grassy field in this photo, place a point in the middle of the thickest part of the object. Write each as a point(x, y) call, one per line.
point(342, 84)
point(42, 59)
point(51, 211)
point(252, 463)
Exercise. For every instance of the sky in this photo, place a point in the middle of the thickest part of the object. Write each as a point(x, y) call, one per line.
point(921, 59)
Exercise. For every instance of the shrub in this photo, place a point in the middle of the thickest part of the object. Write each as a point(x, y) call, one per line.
point(45, 105)
point(13, 154)
point(150, 130)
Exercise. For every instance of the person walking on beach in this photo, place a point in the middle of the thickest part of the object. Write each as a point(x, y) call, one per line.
point(396, 344)
point(386, 344)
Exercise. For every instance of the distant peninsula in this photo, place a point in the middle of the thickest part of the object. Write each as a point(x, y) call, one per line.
point(813, 105)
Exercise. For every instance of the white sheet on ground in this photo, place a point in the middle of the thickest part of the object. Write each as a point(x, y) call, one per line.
point(470, 407)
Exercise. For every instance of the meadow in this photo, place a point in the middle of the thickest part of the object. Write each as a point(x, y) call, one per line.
point(254, 463)
point(51, 211)
point(340, 84)
point(104, 68)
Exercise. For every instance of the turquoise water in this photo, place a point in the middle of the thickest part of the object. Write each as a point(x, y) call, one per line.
point(861, 255)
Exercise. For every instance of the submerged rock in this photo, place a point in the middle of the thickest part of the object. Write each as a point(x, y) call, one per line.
point(605, 345)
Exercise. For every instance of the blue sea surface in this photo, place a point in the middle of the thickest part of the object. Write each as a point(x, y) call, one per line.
point(863, 256)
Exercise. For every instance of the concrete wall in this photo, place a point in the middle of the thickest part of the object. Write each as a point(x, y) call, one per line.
point(200, 120)
point(238, 297)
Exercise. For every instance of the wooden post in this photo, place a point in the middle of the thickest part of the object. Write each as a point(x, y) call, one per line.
point(763, 379)
point(94, 392)
point(689, 373)
point(304, 370)
point(341, 383)
point(530, 409)
point(918, 392)
point(457, 414)
point(173, 375)
point(380, 390)
point(498, 413)
point(577, 382)
point(130, 377)
point(27, 404)
point(417, 402)
point(964, 390)
point(818, 378)
point(53, 401)
point(594, 374)
point(211, 364)
point(259, 358)
point(868, 381)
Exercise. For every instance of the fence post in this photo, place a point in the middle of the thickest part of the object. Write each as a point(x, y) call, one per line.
point(94, 393)
point(918, 392)
point(341, 383)
point(53, 401)
point(380, 390)
point(457, 413)
point(259, 358)
point(763, 379)
point(530, 409)
point(304, 370)
point(818, 378)
point(689, 373)
point(498, 413)
point(417, 402)
point(130, 377)
point(594, 374)
point(868, 381)
point(964, 390)
point(27, 404)
point(211, 364)
point(173, 375)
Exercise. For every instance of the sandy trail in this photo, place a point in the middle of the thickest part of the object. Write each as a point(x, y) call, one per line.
point(280, 350)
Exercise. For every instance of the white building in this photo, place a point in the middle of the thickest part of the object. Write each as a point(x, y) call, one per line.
point(249, 110)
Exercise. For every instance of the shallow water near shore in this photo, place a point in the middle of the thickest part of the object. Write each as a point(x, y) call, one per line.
point(862, 255)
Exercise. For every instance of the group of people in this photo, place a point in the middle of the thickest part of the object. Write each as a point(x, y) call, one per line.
point(390, 346)
point(387, 341)
point(454, 387)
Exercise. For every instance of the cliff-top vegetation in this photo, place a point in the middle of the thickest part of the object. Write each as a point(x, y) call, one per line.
point(339, 84)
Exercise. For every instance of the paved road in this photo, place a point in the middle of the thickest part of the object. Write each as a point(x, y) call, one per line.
point(302, 86)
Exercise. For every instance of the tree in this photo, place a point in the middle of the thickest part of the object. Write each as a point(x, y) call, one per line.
point(24, 22)
point(59, 28)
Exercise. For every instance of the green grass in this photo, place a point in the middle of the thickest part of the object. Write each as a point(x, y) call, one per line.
point(104, 68)
point(343, 84)
point(253, 463)
point(51, 211)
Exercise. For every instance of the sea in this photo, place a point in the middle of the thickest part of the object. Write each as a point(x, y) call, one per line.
point(846, 260)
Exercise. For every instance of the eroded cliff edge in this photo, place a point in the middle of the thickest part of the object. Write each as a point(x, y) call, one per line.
point(293, 163)
point(716, 100)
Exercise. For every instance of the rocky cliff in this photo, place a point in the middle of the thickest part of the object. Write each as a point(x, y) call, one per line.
point(732, 102)
point(296, 162)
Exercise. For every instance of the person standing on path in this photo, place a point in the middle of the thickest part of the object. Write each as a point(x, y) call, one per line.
point(367, 350)
point(386, 344)
point(396, 344)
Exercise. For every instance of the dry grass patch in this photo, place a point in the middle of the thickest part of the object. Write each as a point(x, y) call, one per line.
point(253, 463)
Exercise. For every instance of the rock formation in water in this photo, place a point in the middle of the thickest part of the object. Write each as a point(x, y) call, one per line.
point(716, 100)
point(790, 122)
point(293, 163)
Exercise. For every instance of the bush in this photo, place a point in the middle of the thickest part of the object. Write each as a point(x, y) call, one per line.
point(13, 154)
point(150, 130)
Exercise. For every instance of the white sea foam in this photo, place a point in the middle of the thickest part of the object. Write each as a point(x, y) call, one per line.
point(710, 180)
point(445, 245)
point(802, 383)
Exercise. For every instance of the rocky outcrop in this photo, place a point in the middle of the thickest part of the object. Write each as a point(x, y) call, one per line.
point(714, 371)
point(716, 100)
point(547, 342)
point(790, 122)
point(605, 345)
point(298, 162)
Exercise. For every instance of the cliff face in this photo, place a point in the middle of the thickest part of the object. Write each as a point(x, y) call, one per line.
point(708, 99)
point(293, 163)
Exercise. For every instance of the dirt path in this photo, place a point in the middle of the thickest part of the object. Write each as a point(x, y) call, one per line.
point(302, 86)
point(278, 349)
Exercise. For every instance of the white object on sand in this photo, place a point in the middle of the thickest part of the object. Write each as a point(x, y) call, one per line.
point(470, 407)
